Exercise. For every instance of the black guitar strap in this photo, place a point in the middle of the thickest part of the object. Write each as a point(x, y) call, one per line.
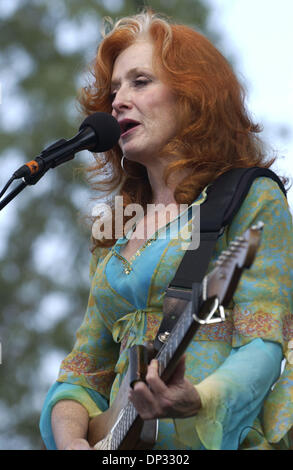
point(224, 198)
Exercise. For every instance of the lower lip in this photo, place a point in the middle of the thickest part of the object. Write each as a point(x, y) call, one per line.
point(129, 131)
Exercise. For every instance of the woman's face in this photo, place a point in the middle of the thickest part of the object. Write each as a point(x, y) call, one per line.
point(144, 106)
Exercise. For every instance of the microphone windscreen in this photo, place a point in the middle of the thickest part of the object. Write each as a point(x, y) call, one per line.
point(106, 128)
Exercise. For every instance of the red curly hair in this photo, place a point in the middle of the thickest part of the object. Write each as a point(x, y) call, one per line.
point(216, 132)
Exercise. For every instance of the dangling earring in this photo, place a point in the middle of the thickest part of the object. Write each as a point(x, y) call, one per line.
point(122, 164)
point(125, 172)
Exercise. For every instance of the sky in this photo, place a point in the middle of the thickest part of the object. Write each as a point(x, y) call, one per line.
point(258, 35)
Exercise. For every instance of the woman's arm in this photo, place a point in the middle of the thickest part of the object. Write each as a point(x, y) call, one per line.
point(70, 425)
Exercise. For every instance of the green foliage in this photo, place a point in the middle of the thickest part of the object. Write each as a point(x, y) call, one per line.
point(44, 252)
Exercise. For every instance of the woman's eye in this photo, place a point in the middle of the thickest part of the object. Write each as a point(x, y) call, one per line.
point(136, 83)
point(141, 82)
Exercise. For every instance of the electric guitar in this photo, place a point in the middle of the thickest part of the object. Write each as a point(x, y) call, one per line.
point(120, 427)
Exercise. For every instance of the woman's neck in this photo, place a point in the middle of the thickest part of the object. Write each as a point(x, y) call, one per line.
point(163, 193)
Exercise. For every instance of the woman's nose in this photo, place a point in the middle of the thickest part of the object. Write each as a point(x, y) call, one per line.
point(121, 101)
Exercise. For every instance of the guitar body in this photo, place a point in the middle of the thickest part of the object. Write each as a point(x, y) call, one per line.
point(140, 436)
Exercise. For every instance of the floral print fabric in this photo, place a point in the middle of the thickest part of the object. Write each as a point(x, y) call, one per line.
point(127, 309)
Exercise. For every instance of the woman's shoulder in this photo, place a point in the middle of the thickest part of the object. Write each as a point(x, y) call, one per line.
point(97, 254)
point(264, 188)
point(264, 202)
point(262, 194)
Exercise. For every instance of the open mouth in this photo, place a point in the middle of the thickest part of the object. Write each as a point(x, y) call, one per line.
point(127, 126)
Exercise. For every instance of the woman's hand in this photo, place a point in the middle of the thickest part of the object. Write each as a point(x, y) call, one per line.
point(176, 399)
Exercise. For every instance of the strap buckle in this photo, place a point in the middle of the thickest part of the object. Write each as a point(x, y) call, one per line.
point(211, 312)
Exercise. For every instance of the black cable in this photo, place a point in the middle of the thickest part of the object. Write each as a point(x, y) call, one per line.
point(7, 186)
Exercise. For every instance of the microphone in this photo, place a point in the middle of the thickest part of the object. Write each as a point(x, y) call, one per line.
point(99, 132)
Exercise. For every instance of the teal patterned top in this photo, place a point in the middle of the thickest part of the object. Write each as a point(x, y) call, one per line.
point(126, 309)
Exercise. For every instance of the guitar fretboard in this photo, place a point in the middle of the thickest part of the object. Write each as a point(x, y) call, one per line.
point(168, 350)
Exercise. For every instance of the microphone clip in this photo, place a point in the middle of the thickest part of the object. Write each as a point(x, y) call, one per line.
point(43, 165)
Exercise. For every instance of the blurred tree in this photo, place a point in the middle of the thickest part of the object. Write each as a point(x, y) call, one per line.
point(44, 249)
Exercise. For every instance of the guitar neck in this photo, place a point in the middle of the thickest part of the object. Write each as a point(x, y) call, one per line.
point(178, 341)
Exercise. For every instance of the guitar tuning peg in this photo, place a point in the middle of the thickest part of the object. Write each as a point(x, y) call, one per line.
point(223, 257)
point(235, 244)
point(227, 253)
point(258, 226)
point(233, 248)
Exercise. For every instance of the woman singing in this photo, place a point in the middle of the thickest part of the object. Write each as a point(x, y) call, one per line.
point(183, 123)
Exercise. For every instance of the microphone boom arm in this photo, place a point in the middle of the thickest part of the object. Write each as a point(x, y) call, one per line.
point(26, 181)
point(12, 194)
point(31, 179)
point(50, 157)
point(99, 132)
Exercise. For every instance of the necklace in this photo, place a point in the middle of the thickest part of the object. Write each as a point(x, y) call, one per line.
point(127, 264)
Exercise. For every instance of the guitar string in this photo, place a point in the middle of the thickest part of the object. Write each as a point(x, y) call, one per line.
point(167, 350)
point(124, 424)
point(178, 334)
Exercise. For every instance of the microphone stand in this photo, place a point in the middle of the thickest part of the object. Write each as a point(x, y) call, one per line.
point(12, 195)
point(27, 180)
point(49, 161)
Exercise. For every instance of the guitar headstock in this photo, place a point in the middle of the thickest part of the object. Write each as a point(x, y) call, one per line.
point(222, 281)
